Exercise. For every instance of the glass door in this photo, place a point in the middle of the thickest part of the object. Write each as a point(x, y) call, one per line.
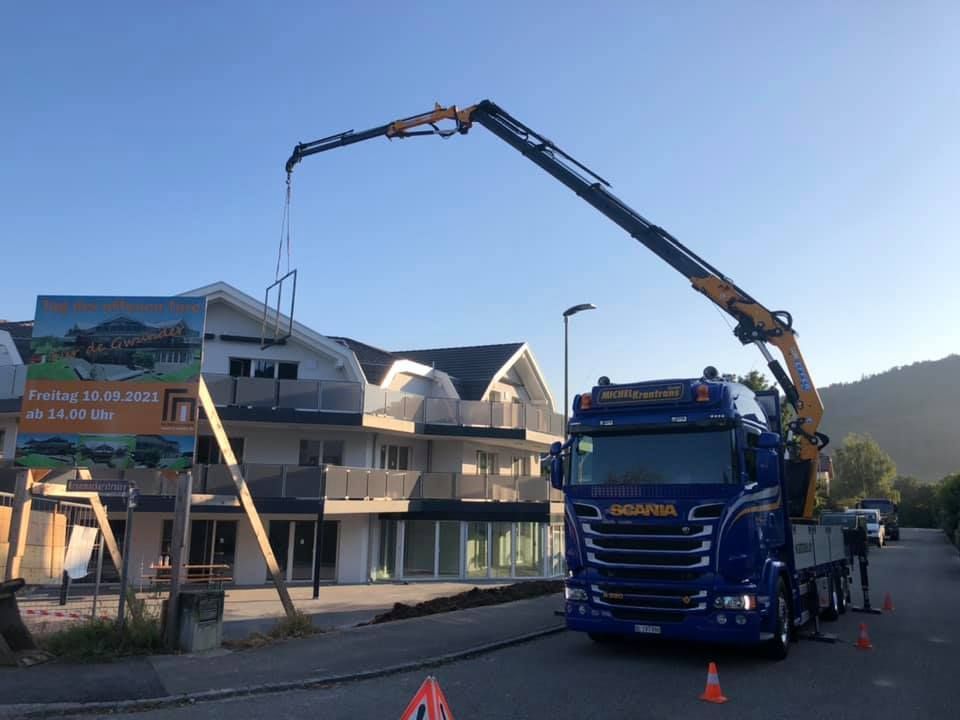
point(280, 543)
point(303, 536)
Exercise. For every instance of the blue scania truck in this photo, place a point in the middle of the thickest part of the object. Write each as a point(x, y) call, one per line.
point(688, 512)
point(678, 522)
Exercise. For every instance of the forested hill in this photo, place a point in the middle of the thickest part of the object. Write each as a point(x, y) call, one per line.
point(912, 411)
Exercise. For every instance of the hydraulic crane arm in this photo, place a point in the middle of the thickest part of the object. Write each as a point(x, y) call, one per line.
point(755, 323)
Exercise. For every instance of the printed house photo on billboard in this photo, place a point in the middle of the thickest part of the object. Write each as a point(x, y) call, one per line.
point(46, 450)
point(118, 341)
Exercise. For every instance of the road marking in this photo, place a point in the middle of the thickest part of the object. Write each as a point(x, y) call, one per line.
point(883, 682)
point(939, 640)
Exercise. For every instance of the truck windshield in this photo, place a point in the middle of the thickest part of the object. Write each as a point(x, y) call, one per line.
point(663, 458)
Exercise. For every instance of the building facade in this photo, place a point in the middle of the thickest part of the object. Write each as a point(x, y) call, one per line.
point(427, 461)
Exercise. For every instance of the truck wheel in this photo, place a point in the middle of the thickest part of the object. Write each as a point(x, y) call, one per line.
point(779, 646)
point(832, 612)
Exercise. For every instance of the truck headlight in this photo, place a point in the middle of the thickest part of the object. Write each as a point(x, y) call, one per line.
point(735, 602)
point(575, 594)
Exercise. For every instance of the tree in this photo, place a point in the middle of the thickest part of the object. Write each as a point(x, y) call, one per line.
point(919, 505)
point(755, 380)
point(863, 469)
point(948, 497)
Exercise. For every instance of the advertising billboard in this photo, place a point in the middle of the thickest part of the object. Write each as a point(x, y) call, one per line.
point(112, 382)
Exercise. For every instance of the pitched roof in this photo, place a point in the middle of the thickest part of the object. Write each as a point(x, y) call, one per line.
point(21, 333)
point(472, 368)
point(374, 362)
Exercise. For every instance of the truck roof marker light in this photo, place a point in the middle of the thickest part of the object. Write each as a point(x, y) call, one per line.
point(703, 393)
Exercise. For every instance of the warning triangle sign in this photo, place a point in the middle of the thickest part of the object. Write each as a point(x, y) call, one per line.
point(429, 703)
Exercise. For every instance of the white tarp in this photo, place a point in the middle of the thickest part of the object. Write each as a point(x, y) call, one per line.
point(79, 549)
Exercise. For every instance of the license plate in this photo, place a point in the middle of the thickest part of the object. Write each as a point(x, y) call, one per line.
point(647, 629)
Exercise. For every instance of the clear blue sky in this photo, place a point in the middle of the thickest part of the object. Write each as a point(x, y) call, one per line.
point(812, 153)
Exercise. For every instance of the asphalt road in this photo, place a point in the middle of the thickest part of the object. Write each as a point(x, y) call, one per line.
point(911, 673)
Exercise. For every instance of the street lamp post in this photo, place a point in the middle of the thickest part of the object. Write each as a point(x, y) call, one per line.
point(566, 357)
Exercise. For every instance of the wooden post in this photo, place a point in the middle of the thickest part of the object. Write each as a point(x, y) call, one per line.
point(246, 500)
point(19, 524)
point(178, 542)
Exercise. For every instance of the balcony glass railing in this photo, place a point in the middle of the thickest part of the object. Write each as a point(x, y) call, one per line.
point(342, 483)
point(349, 397)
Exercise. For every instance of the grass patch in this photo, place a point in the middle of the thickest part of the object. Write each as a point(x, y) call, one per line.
point(56, 370)
point(40, 461)
point(286, 628)
point(101, 640)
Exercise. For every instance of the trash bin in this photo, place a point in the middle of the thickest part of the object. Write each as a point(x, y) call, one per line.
point(201, 620)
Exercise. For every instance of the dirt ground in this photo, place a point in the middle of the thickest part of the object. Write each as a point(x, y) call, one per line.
point(474, 597)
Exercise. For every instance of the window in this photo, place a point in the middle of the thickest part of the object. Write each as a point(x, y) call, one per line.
point(3, 436)
point(316, 452)
point(529, 561)
point(287, 371)
point(240, 367)
point(556, 549)
point(208, 452)
point(662, 458)
point(274, 369)
point(496, 396)
point(419, 545)
point(212, 542)
point(265, 369)
point(333, 452)
point(448, 548)
point(310, 452)
point(387, 550)
point(750, 457)
point(487, 463)
point(394, 457)
point(520, 466)
point(476, 551)
point(501, 549)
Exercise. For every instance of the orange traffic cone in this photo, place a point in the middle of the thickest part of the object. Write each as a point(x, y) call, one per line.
point(863, 642)
point(713, 693)
point(888, 603)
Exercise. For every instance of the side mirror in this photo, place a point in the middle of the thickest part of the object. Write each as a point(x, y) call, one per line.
point(556, 466)
point(768, 441)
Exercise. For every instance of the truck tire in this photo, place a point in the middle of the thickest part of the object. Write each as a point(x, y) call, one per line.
point(832, 612)
point(778, 647)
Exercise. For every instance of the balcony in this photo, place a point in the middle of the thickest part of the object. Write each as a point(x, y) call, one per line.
point(12, 380)
point(348, 397)
point(342, 483)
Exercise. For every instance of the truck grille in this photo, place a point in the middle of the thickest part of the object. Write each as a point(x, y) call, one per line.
point(619, 558)
point(655, 544)
point(651, 552)
point(602, 528)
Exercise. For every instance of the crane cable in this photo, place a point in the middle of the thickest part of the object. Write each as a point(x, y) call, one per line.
point(284, 232)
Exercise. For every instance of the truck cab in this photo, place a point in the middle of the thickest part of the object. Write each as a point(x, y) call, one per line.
point(676, 515)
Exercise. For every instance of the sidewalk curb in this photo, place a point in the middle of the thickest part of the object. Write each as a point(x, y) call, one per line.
point(39, 710)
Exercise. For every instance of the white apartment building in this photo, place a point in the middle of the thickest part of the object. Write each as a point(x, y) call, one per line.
point(424, 463)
